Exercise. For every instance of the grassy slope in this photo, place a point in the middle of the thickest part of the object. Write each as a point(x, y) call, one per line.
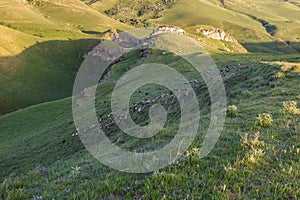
point(263, 26)
point(14, 42)
point(65, 20)
point(40, 48)
point(201, 12)
point(53, 15)
point(282, 16)
point(31, 77)
point(233, 16)
point(21, 16)
point(103, 5)
point(38, 157)
point(76, 12)
point(265, 169)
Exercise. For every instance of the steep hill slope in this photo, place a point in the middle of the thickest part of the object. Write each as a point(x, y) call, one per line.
point(44, 157)
point(41, 47)
point(14, 42)
point(257, 155)
point(43, 72)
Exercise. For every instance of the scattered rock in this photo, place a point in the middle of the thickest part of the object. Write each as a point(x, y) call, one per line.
point(216, 34)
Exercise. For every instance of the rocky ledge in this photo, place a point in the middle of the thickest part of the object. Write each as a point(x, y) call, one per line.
point(216, 34)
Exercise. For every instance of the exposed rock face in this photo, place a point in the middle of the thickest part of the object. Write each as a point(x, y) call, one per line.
point(167, 29)
point(216, 34)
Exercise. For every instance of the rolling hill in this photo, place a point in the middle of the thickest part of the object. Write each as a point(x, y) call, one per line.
point(41, 50)
point(44, 157)
point(44, 42)
point(27, 25)
point(253, 23)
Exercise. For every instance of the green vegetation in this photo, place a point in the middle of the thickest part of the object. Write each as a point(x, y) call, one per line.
point(264, 120)
point(50, 161)
point(24, 26)
point(41, 49)
point(290, 108)
point(137, 12)
point(42, 44)
point(248, 21)
point(34, 2)
point(277, 17)
point(232, 111)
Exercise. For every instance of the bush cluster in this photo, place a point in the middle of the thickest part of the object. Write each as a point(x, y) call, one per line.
point(264, 120)
point(290, 108)
point(232, 111)
point(34, 2)
point(251, 141)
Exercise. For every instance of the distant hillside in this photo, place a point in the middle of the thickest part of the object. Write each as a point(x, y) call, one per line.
point(250, 22)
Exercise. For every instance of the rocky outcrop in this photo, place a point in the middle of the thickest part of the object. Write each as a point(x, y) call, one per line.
point(216, 34)
point(126, 40)
point(167, 29)
point(110, 34)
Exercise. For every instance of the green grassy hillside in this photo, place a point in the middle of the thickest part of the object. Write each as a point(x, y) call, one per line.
point(52, 17)
point(259, 26)
point(207, 13)
point(44, 157)
point(43, 72)
point(76, 13)
point(21, 16)
point(41, 48)
point(280, 18)
point(251, 21)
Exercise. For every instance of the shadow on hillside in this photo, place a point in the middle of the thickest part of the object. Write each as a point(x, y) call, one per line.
point(46, 71)
point(91, 32)
point(273, 47)
point(270, 28)
point(42, 72)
